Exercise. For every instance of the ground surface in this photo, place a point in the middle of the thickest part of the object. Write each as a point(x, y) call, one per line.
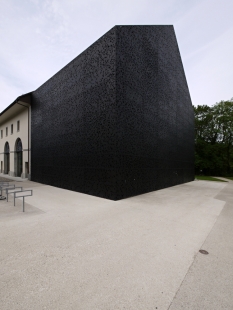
point(74, 251)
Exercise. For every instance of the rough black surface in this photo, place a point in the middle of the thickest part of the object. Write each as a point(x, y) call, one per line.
point(118, 120)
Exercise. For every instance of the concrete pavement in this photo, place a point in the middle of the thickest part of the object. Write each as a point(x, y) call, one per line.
point(74, 251)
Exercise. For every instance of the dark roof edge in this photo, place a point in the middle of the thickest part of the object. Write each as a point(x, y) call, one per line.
point(14, 102)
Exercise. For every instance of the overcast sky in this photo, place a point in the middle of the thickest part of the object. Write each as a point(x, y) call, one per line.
point(39, 37)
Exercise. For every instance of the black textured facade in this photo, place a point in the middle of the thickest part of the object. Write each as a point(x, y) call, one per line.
point(118, 120)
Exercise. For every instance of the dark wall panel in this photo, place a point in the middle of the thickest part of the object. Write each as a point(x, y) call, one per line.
point(155, 115)
point(73, 123)
point(117, 121)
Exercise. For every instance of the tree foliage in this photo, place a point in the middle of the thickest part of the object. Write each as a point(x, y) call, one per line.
point(214, 139)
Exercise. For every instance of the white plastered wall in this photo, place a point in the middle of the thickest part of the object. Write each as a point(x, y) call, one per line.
point(22, 116)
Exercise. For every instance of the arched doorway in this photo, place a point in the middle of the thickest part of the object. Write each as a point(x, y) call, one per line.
point(6, 158)
point(18, 157)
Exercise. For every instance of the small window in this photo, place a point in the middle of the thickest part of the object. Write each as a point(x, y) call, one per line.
point(11, 128)
point(1, 134)
point(18, 125)
point(6, 131)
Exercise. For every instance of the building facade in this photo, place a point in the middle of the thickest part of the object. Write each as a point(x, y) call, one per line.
point(15, 127)
point(117, 121)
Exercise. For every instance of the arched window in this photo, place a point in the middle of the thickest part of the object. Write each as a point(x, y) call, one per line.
point(18, 146)
point(18, 157)
point(7, 148)
point(6, 158)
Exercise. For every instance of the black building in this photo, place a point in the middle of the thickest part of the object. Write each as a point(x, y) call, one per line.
point(117, 121)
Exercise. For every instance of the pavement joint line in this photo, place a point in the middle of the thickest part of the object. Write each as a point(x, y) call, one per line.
point(195, 256)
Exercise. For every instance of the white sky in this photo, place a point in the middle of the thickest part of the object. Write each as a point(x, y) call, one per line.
point(39, 37)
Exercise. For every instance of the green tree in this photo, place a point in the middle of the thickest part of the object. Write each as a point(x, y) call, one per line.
point(214, 138)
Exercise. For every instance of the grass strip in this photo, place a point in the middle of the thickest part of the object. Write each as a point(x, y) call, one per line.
point(207, 178)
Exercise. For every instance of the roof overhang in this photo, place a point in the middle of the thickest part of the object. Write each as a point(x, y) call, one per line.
point(15, 107)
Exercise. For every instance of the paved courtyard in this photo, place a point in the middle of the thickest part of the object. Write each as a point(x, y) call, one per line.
point(73, 251)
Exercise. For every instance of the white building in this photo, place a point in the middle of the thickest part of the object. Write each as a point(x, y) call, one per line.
point(15, 138)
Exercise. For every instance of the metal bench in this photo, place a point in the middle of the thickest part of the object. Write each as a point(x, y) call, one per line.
point(4, 183)
point(3, 186)
point(23, 194)
point(10, 190)
point(18, 191)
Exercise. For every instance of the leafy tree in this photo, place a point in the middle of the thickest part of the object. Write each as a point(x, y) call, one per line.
point(214, 138)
